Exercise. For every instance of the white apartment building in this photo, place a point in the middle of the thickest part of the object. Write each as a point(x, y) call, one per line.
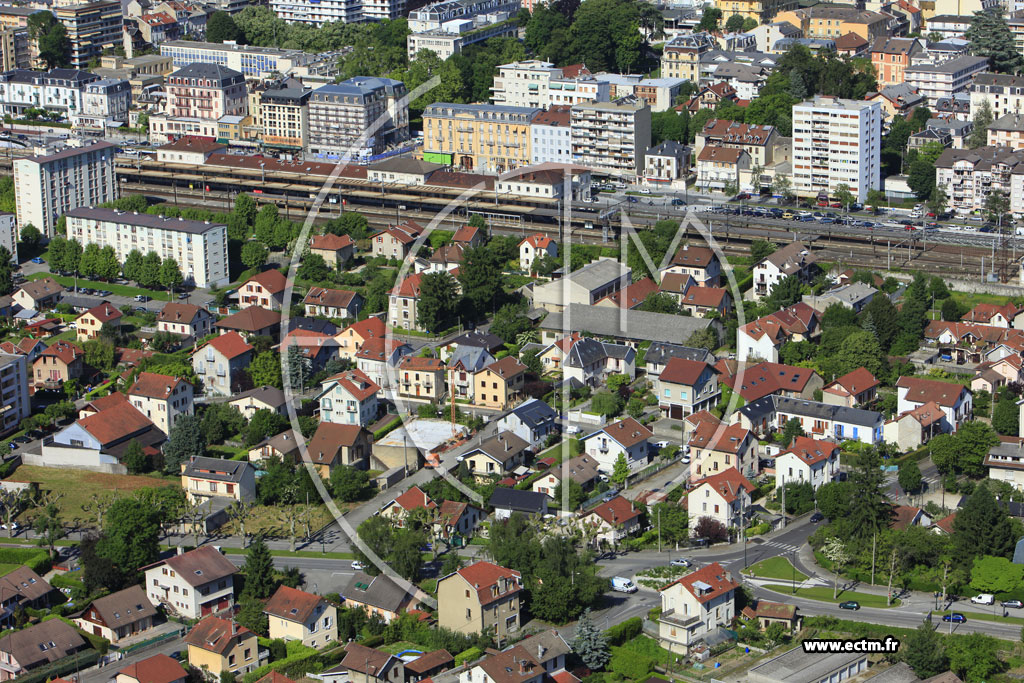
point(47, 187)
point(193, 584)
point(539, 84)
point(969, 176)
point(105, 103)
point(249, 60)
point(441, 15)
point(550, 136)
point(200, 248)
point(611, 136)
point(836, 142)
point(317, 12)
point(345, 118)
point(943, 80)
point(9, 234)
point(14, 400)
point(349, 398)
point(1003, 92)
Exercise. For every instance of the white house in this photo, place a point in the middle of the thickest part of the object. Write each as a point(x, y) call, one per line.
point(626, 437)
point(532, 421)
point(807, 460)
point(534, 247)
point(193, 584)
point(695, 606)
point(349, 397)
point(955, 399)
point(792, 259)
point(723, 497)
point(611, 521)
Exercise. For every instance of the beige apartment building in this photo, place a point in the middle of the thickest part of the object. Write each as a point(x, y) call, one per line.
point(221, 646)
point(285, 118)
point(480, 598)
point(478, 137)
point(759, 10)
point(161, 398)
point(14, 399)
point(681, 55)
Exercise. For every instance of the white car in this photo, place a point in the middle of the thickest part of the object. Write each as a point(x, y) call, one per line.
point(686, 460)
point(645, 190)
point(358, 566)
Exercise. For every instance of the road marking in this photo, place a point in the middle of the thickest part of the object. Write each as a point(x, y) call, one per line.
point(342, 573)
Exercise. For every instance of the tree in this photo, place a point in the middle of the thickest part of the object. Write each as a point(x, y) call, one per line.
point(265, 370)
point(260, 580)
point(937, 201)
point(703, 339)
point(135, 459)
point(49, 526)
point(131, 536)
point(883, 318)
point(184, 442)
point(981, 527)
point(51, 38)
point(792, 430)
point(263, 424)
point(510, 321)
point(313, 267)
point(923, 652)
point(774, 634)
point(833, 499)
point(974, 439)
point(439, 301)
point(835, 551)
point(221, 27)
point(349, 484)
point(990, 37)
point(149, 274)
point(783, 187)
point(1006, 416)
point(709, 19)
point(170, 274)
point(786, 292)
point(921, 178)
point(6, 272)
point(245, 206)
point(590, 643)
point(951, 310)
point(909, 477)
point(480, 287)
point(254, 255)
point(843, 194)
point(761, 249)
point(873, 511)
point(266, 224)
point(251, 616)
point(996, 575)
point(982, 120)
point(974, 657)
point(620, 471)
point(30, 236)
point(576, 494)
point(710, 529)
point(133, 265)
point(734, 24)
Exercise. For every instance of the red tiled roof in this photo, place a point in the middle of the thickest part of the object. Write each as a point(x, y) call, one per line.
point(330, 242)
point(921, 390)
point(214, 634)
point(717, 580)
point(115, 422)
point(704, 297)
point(726, 440)
point(421, 364)
point(537, 241)
point(676, 283)
point(693, 257)
point(175, 312)
point(767, 378)
point(230, 345)
point(378, 348)
point(983, 313)
point(737, 133)
point(855, 382)
point(682, 371)
point(332, 298)
point(292, 604)
point(633, 295)
point(65, 351)
point(371, 327)
point(103, 313)
point(415, 498)
point(506, 368)
point(728, 483)
point(811, 451)
point(156, 669)
point(356, 383)
point(271, 280)
point(616, 511)
point(926, 414)
point(724, 155)
point(466, 233)
point(483, 575)
point(329, 439)
point(251, 319)
point(628, 432)
point(904, 516)
point(946, 523)
point(152, 385)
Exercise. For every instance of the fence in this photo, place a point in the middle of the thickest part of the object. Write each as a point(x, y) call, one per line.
point(135, 647)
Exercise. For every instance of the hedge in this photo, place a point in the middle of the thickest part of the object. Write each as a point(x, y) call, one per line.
point(380, 433)
point(61, 667)
point(299, 665)
point(36, 559)
point(627, 630)
point(470, 655)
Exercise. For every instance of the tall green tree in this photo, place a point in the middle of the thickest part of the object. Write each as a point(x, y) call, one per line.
point(983, 118)
point(872, 512)
point(590, 643)
point(923, 651)
point(981, 527)
point(266, 370)
point(131, 536)
point(185, 441)
point(254, 254)
point(149, 274)
point(439, 301)
point(477, 275)
point(990, 36)
point(51, 38)
point(221, 27)
point(260, 579)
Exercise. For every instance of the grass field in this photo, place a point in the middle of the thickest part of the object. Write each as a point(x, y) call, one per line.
point(81, 488)
point(824, 594)
point(121, 290)
point(776, 568)
point(271, 522)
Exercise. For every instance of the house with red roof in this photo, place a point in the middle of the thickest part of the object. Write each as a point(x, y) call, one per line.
point(610, 521)
point(339, 444)
point(1008, 315)
point(702, 301)
point(378, 358)
point(719, 447)
point(332, 303)
point(685, 387)
point(59, 363)
point(403, 304)
point(761, 339)
point(351, 339)
point(264, 289)
point(88, 325)
point(481, 598)
point(396, 241)
point(535, 247)
point(222, 646)
point(187, 320)
point(856, 388)
point(990, 375)
point(455, 522)
point(500, 384)
point(161, 398)
point(700, 263)
point(469, 236)
point(156, 669)
point(724, 497)
point(297, 615)
point(754, 381)
point(695, 606)
point(906, 516)
point(335, 250)
point(807, 460)
point(793, 259)
point(627, 438)
point(421, 378)
point(399, 509)
point(917, 426)
point(944, 525)
point(954, 399)
point(350, 397)
point(219, 362)
point(252, 321)
point(630, 296)
point(317, 348)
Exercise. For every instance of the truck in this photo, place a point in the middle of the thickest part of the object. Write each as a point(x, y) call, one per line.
point(623, 585)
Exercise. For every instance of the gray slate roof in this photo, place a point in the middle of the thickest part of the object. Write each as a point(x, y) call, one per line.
point(608, 321)
point(378, 591)
point(660, 353)
point(534, 413)
point(517, 500)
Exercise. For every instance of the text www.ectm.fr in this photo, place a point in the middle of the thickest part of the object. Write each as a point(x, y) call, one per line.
point(833, 645)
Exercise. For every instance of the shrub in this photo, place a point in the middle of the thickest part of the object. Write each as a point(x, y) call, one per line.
point(630, 664)
point(627, 630)
point(36, 559)
point(466, 656)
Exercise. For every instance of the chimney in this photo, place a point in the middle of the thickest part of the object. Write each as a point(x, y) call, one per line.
point(234, 628)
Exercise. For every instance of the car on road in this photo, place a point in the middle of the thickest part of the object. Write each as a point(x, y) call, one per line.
point(681, 562)
point(850, 604)
point(104, 292)
point(610, 495)
point(743, 195)
point(686, 460)
point(38, 260)
point(623, 585)
point(645, 190)
point(1016, 604)
point(678, 202)
point(817, 517)
point(983, 599)
point(631, 199)
point(183, 295)
point(358, 566)
point(955, 617)
point(23, 439)
point(141, 308)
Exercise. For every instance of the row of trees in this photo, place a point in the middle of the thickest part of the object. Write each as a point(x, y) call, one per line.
point(149, 270)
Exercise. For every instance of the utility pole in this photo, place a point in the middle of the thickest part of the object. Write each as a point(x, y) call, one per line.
point(743, 526)
point(783, 502)
point(892, 570)
point(659, 530)
point(874, 539)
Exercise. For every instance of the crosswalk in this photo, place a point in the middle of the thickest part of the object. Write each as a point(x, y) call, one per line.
point(785, 547)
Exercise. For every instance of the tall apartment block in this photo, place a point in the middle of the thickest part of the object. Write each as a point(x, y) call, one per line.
point(206, 91)
point(317, 12)
point(14, 400)
point(836, 142)
point(47, 187)
point(199, 247)
point(92, 28)
point(360, 116)
point(611, 136)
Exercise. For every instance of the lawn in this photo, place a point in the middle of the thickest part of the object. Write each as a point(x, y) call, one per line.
point(80, 488)
point(66, 335)
point(776, 568)
point(824, 594)
point(229, 452)
point(271, 522)
point(121, 290)
point(6, 569)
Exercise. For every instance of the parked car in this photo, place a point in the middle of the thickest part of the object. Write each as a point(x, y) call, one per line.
point(1016, 604)
point(817, 517)
point(357, 565)
point(983, 599)
point(681, 562)
point(38, 260)
point(623, 585)
point(850, 604)
point(955, 617)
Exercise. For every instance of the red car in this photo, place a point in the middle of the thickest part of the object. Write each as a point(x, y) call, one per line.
point(909, 227)
point(823, 203)
point(743, 195)
point(836, 205)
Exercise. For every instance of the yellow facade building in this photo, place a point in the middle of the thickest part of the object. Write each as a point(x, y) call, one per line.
point(478, 137)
